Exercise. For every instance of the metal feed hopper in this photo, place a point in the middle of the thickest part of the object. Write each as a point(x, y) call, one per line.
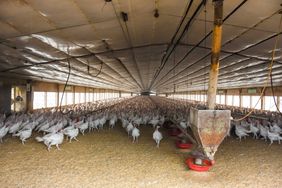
point(209, 128)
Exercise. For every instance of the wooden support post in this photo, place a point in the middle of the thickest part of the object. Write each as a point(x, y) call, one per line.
point(5, 98)
point(216, 47)
point(240, 98)
point(85, 93)
point(58, 95)
point(29, 97)
point(45, 99)
point(225, 94)
point(278, 103)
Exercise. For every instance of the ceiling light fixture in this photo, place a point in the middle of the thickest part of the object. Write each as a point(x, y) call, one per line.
point(124, 16)
point(156, 13)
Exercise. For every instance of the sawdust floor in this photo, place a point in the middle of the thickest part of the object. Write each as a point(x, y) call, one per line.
point(109, 159)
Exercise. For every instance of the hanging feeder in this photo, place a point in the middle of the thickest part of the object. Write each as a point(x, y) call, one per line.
point(209, 128)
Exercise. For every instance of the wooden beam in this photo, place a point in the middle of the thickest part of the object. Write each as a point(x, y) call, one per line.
point(216, 47)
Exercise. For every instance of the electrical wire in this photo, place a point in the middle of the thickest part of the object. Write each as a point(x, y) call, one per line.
point(271, 80)
point(60, 107)
point(99, 70)
point(273, 95)
point(269, 77)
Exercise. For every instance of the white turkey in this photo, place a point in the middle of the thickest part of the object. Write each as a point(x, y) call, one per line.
point(83, 127)
point(102, 122)
point(157, 136)
point(112, 122)
point(124, 122)
point(135, 134)
point(71, 133)
point(241, 132)
point(161, 121)
point(183, 124)
point(44, 127)
point(263, 132)
point(129, 128)
point(24, 134)
point(52, 139)
point(273, 137)
point(254, 130)
point(138, 121)
point(54, 128)
point(96, 124)
point(15, 127)
point(3, 131)
point(154, 122)
point(275, 128)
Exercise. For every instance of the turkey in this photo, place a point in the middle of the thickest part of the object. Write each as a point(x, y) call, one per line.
point(129, 128)
point(112, 122)
point(93, 125)
point(44, 127)
point(138, 121)
point(3, 131)
point(14, 128)
point(83, 127)
point(96, 124)
point(54, 128)
point(102, 122)
point(52, 139)
point(263, 132)
point(135, 134)
point(273, 137)
point(275, 128)
point(241, 132)
point(161, 121)
point(157, 136)
point(183, 124)
point(24, 134)
point(71, 132)
point(254, 130)
point(125, 122)
point(154, 122)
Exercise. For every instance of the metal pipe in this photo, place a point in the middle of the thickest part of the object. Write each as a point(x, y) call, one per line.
point(216, 47)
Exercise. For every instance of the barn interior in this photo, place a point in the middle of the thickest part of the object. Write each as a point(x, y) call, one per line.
point(131, 93)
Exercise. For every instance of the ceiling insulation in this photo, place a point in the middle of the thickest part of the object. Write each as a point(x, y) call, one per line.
point(145, 53)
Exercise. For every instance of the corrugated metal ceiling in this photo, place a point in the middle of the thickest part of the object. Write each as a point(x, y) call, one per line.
point(37, 38)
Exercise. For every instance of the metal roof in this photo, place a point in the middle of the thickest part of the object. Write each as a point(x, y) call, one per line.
point(37, 38)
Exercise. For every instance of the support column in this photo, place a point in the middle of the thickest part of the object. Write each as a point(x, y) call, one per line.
point(29, 96)
point(216, 47)
point(58, 95)
point(278, 103)
point(225, 94)
point(5, 98)
point(240, 98)
point(73, 99)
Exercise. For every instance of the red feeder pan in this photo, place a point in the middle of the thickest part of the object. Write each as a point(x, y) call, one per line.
point(174, 132)
point(181, 145)
point(200, 168)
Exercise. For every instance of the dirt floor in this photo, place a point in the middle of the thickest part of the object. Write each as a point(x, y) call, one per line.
point(109, 159)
